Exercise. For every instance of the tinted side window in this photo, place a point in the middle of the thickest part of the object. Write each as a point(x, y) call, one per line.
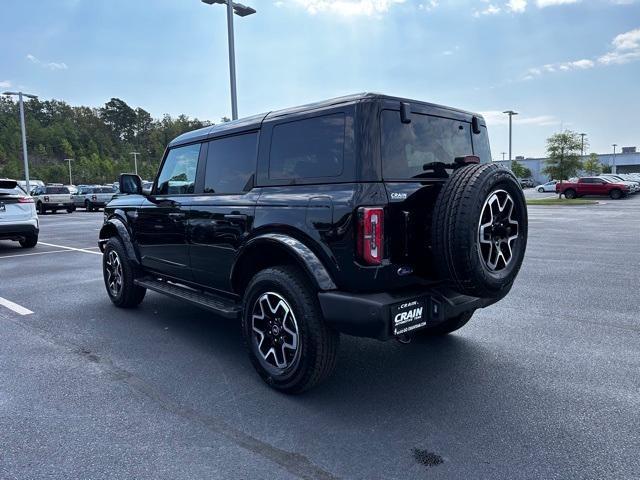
point(231, 162)
point(178, 175)
point(481, 146)
point(310, 148)
point(407, 147)
point(57, 190)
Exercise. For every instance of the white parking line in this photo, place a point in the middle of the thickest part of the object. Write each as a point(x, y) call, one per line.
point(15, 307)
point(71, 248)
point(36, 253)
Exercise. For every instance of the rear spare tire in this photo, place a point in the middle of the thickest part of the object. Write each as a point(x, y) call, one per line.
point(479, 230)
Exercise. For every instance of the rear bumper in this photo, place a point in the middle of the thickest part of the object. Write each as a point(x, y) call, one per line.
point(18, 230)
point(380, 315)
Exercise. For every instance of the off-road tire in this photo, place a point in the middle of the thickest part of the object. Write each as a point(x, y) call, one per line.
point(615, 194)
point(570, 194)
point(130, 295)
point(29, 241)
point(455, 230)
point(317, 342)
point(446, 327)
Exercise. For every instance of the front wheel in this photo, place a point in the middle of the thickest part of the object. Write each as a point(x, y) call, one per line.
point(541, 190)
point(119, 276)
point(615, 194)
point(289, 344)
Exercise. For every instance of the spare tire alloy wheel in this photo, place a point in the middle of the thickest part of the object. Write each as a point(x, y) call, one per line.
point(113, 269)
point(276, 334)
point(497, 231)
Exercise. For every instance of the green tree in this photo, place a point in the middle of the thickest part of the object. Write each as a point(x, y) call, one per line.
point(592, 165)
point(563, 152)
point(527, 173)
point(518, 169)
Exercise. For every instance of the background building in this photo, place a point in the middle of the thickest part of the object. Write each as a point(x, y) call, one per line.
point(626, 162)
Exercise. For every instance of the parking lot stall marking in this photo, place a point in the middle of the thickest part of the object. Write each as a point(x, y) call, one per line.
point(71, 248)
point(32, 254)
point(20, 310)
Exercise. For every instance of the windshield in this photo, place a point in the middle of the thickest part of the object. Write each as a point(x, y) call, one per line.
point(409, 148)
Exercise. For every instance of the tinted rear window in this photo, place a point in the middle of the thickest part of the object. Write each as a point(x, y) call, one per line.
point(57, 190)
point(309, 148)
point(231, 162)
point(408, 147)
point(12, 191)
point(105, 190)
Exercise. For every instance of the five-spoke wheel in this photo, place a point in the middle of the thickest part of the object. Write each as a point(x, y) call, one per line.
point(497, 231)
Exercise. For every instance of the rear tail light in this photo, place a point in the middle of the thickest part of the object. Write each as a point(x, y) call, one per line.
point(25, 200)
point(371, 235)
point(93, 197)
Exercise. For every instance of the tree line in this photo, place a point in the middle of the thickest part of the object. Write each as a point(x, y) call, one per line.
point(99, 140)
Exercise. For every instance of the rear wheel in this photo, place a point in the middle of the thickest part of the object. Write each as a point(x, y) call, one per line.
point(479, 230)
point(289, 344)
point(71, 209)
point(41, 209)
point(615, 194)
point(541, 190)
point(29, 241)
point(570, 194)
point(119, 276)
point(446, 327)
point(87, 206)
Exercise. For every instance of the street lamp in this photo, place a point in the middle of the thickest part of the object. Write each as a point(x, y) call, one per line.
point(613, 168)
point(135, 160)
point(582, 135)
point(511, 113)
point(241, 11)
point(20, 95)
point(69, 160)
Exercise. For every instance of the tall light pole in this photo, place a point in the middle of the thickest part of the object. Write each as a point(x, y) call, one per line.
point(511, 113)
point(613, 168)
point(241, 11)
point(503, 154)
point(135, 160)
point(582, 135)
point(24, 133)
point(69, 160)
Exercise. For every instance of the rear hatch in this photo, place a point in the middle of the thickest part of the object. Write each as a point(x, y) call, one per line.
point(15, 206)
point(59, 196)
point(417, 156)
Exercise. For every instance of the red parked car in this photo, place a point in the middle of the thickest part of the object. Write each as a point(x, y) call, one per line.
point(592, 186)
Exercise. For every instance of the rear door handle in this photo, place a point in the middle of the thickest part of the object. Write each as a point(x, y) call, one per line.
point(234, 216)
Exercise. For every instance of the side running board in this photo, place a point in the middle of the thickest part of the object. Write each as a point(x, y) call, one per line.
point(222, 306)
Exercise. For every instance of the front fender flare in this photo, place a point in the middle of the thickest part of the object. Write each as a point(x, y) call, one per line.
point(121, 230)
point(303, 254)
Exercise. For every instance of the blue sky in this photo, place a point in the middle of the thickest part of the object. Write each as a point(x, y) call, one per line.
point(560, 63)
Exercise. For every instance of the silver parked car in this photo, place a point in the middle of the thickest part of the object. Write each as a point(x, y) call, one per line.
point(547, 187)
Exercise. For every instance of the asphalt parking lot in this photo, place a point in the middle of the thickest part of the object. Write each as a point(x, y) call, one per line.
point(545, 384)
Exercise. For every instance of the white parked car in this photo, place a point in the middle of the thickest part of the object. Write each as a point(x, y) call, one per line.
point(18, 217)
point(547, 187)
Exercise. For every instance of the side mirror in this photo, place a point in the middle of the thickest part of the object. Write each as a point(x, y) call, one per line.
point(130, 183)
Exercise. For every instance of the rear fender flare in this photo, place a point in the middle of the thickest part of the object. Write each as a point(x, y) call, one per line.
point(308, 260)
point(116, 227)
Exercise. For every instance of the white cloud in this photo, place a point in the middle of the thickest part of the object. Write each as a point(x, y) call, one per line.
point(517, 6)
point(348, 7)
point(553, 3)
point(626, 48)
point(50, 65)
point(428, 6)
point(490, 10)
point(496, 117)
point(5, 84)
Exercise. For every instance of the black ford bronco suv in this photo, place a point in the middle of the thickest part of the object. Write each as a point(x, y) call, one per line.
point(366, 215)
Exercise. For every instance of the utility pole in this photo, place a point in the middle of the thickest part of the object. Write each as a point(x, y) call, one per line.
point(135, 160)
point(241, 11)
point(503, 154)
point(69, 160)
point(511, 113)
point(613, 168)
point(25, 156)
point(582, 135)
